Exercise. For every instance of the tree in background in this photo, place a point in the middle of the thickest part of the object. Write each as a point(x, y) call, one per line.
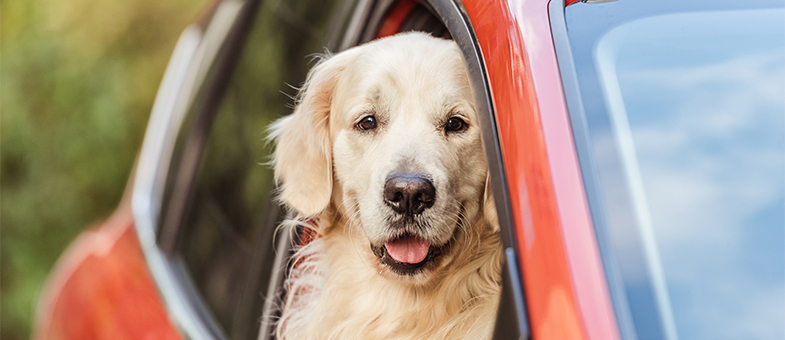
point(77, 82)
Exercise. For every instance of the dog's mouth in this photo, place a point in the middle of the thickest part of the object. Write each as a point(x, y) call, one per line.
point(407, 254)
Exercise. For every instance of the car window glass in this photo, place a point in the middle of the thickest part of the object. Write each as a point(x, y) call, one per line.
point(686, 119)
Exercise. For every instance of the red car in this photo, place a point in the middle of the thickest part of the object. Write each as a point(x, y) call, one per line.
point(637, 153)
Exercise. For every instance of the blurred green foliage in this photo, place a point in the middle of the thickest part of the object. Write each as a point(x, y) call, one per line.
point(77, 82)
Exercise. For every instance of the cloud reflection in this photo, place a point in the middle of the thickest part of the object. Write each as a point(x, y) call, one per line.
point(709, 136)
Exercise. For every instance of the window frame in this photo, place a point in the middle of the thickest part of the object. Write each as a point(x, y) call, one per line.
point(205, 55)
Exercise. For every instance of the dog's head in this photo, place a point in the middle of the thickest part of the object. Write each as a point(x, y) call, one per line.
point(387, 133)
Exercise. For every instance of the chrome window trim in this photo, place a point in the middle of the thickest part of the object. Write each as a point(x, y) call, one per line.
point(167, 113)
point(194, 53)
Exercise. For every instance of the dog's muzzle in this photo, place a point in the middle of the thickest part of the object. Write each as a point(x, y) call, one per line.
point(408, 195)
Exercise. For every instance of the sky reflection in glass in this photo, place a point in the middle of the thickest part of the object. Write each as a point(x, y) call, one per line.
point(696, 106)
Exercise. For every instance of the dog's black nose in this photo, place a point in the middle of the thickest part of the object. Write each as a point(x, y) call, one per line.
point(409, 194)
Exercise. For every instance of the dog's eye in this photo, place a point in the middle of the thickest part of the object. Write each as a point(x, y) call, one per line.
point(455, 124)
point(367, 123)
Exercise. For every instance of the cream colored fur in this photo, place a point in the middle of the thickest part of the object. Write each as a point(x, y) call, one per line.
point(333, 174)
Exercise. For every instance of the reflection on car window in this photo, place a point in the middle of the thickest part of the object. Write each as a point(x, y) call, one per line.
point(686, 117)
point(227, 241)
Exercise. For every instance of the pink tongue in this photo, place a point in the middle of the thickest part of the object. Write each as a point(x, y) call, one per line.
point(408, 249)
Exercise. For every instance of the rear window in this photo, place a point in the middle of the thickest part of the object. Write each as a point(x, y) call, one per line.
point(684, 108)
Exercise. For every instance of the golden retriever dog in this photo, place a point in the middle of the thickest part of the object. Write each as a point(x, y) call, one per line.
point(382, 159)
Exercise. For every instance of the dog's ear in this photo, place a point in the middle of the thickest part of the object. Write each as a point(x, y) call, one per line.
point(489, 205)
point(303, 154)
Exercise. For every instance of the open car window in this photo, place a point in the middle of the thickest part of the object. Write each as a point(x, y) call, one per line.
point(219, 215)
